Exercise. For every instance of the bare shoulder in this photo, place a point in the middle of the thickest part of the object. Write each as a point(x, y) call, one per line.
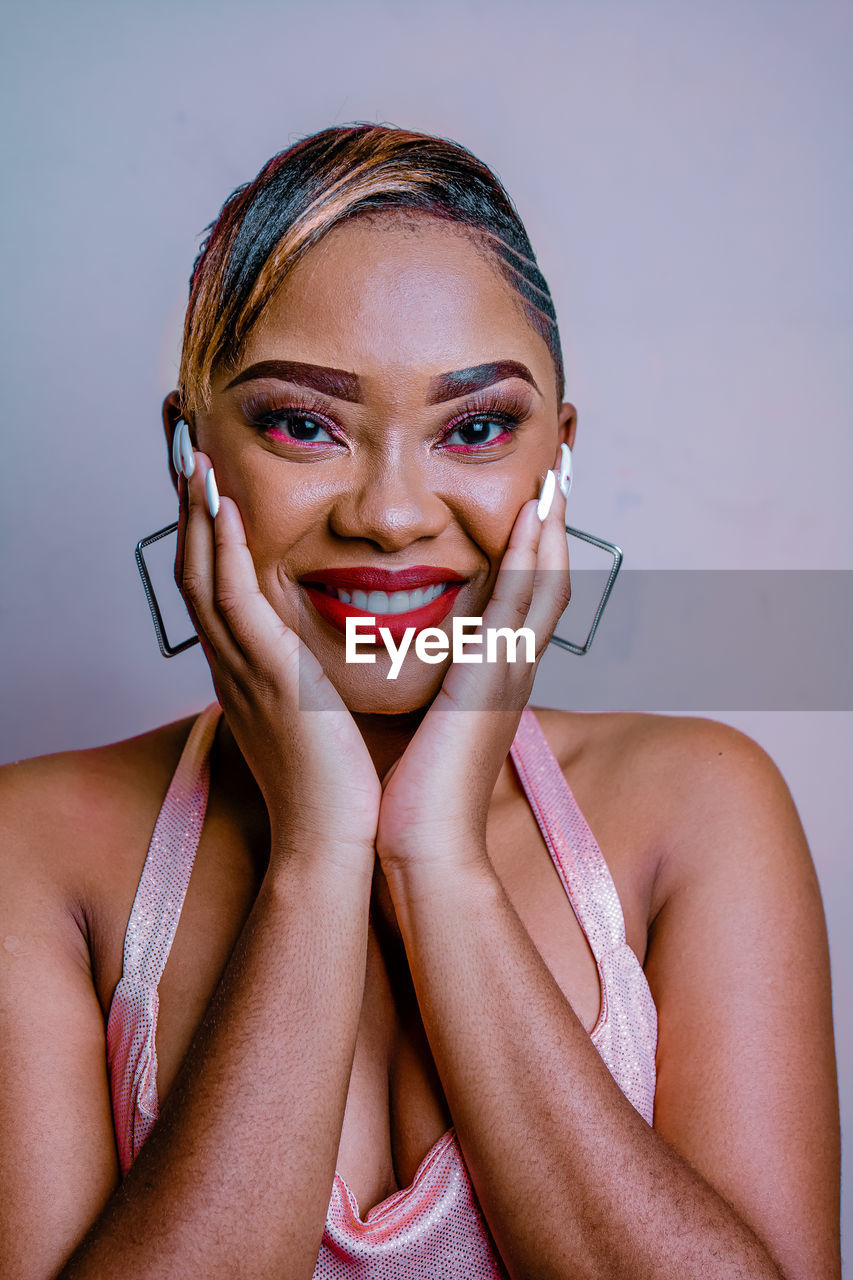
point(73, 828)
point(63, 815)
point(653, 743)
point(691, 785)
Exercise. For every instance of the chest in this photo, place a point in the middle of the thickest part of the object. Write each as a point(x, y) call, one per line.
point(395, 1108)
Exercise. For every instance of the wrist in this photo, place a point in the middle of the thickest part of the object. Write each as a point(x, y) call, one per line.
point(461, 869)
point(321, 860)
point(452, 839)
point(436, 896)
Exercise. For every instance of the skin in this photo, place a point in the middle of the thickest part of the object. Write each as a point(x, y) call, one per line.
point(441, 950)
point(392, 490)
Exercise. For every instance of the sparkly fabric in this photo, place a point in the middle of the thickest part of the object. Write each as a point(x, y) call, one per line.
point(154, 916)
point(434, 1228)
point(626, 1032)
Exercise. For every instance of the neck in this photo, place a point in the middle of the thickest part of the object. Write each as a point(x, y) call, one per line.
point(386, 738)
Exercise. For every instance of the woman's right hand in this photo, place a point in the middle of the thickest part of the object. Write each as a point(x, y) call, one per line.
point(310, 761)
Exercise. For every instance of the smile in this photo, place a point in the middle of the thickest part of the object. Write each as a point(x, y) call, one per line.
point(419, 596)
point(397, 602)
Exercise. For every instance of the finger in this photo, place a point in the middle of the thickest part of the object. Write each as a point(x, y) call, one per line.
point(264, 646)
point(513, 589)
point(552, 581)
point(249, 616)
point(243, 637)
point(198, 568)
point(182, 528)
point(180, 557)
point(497, 684)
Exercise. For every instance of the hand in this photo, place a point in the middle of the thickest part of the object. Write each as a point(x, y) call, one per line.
point(312, 766)
point(435, 800)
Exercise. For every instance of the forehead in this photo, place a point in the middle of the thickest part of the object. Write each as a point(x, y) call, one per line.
point(386, 293)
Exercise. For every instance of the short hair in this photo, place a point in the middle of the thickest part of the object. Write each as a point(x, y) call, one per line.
point(266, 226)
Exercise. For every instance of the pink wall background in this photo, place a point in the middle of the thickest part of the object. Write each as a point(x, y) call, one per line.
point(683, 171)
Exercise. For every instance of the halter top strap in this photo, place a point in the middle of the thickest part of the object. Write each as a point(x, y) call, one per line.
point(573, 848)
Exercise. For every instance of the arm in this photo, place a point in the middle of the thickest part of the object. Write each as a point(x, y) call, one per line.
point(739, 1176)
point(235, 1179)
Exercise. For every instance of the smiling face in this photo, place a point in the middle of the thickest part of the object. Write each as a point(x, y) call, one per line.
point(391, 411)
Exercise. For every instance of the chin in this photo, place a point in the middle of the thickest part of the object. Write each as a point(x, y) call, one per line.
point(365, 689)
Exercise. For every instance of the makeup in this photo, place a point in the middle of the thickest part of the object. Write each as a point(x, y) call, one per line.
point(182, 450)
point(211, 493)
point(176, 447)
point(546, 497)
point(565, 478)
point(304, 424)
point(418, 596)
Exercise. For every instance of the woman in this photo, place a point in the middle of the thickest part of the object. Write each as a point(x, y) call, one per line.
point(412, 1018)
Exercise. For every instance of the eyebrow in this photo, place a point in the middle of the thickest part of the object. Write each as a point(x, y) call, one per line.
point(341, 385)
point(332, 382)
point(461, 382)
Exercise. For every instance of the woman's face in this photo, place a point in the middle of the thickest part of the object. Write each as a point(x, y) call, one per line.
point(392, 411)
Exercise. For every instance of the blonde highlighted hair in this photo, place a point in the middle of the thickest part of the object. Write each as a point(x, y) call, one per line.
point(266, 226)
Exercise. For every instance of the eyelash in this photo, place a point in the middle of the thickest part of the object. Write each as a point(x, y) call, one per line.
point(498, 406)
point(266, 416)
point(501, 407)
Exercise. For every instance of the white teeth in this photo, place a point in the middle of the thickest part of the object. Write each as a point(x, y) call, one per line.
point(376, 602)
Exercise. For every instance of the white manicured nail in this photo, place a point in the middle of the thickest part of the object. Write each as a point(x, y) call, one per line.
point(186, 448)
point(565, 480)
point(546, 497)
point(176, 447)
point(211, 493)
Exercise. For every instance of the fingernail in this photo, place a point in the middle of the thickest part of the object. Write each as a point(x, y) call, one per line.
point(211, 493)
point(565, 480)
point(186, 448)
point(176, 447)
point(546, 497)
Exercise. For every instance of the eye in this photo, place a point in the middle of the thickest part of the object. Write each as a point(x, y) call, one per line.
point(295, 427)
point(475, 433)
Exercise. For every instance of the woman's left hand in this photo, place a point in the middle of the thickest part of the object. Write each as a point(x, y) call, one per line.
point(435, 800)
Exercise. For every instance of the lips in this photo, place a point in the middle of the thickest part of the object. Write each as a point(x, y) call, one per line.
point(418, 596)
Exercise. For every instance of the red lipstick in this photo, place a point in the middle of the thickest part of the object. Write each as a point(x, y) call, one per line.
point(370, 578)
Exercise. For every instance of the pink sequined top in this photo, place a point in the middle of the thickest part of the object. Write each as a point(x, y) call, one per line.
point(433, 1228)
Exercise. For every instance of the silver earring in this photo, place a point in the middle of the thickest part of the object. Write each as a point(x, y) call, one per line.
point(167, 649)
point(616, 553)
point(565, 482)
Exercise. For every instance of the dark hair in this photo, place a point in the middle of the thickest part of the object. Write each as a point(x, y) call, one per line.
point(266, 226)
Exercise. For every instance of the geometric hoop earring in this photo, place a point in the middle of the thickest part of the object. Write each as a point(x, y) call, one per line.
point(168, 650)
point(603, 545)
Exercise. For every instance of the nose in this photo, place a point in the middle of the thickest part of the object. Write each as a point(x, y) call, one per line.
point(389, 503)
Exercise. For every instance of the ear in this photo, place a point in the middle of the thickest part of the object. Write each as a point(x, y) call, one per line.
point(171, 416)
point(567, 425)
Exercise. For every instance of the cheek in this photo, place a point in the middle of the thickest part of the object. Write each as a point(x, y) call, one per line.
point(489, 506)
point(277, 511)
